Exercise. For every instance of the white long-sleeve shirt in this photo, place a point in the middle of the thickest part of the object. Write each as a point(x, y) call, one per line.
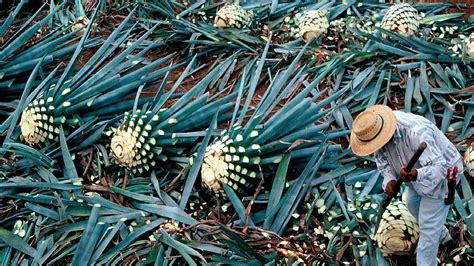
point(433, 164)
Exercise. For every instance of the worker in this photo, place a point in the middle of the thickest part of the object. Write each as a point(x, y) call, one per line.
point(393, 137)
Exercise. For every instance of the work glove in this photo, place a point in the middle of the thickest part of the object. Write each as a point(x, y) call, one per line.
point(390, 188)
point(408, 176)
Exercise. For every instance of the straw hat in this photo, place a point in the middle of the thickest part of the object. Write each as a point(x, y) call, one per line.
point(372, 129)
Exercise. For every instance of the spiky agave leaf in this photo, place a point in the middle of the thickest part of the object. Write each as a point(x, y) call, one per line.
point(398, 230)
point(90, 5)
point(90, 90)
point(233, 15)
point(16, 60)
point(159, 134)
point(23, 34)
point(402, 19)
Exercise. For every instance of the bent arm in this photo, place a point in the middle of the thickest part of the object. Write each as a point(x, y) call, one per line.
point(433, 166)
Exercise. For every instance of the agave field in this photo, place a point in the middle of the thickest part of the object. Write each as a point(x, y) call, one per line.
point(209, 132)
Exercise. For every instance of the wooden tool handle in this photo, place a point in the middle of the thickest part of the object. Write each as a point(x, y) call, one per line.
point(416, 156)
point(411, 163)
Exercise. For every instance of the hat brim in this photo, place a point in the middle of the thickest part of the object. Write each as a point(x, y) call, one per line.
point(364, 148)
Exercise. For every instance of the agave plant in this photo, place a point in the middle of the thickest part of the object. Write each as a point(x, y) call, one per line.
point(156, 133)
point(235, 156)
point(194, 29)
point(90, 90)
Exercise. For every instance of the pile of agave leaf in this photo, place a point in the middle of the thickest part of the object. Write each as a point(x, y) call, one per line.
point(140, 132)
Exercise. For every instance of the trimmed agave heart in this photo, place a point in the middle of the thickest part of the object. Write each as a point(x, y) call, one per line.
point(469, 160)
point(228, 160)
point(470, 45)
point(232, 16)
point(313, 23)
point(402, 19)
point(398, 231)
point(38, 123)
